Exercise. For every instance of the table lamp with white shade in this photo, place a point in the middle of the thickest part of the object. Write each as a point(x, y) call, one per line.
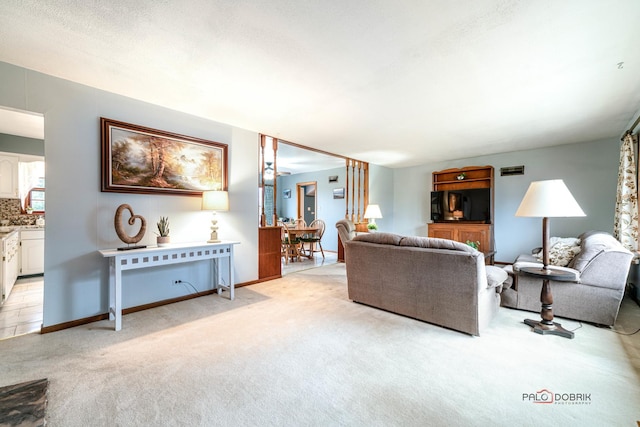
point(215, 201)
point(545, 199)
point(371, 213)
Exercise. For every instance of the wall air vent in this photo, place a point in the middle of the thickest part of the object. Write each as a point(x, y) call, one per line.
point(512, 170)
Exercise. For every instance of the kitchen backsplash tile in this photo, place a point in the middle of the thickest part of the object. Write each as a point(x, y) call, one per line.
point(10, 211)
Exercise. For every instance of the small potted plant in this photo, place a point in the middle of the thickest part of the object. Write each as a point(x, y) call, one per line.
point(462, 176)
point(373, 227)
point(163, 231)
point(474, 245)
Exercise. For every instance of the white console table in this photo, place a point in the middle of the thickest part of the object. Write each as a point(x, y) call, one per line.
point(121, 260)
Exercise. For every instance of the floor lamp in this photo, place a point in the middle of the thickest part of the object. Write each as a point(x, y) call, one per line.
point(545, 199)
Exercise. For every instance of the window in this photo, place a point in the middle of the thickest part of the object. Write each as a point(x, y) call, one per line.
point(35, 199)
point(32, 179)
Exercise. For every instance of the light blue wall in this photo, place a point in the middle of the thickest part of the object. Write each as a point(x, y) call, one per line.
point(332, 210)
point(381, 188)
point(80, 217)
point(589, 169)
point(329, 210)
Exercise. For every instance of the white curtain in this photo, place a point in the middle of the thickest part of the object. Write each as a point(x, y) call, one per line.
point(626, 218)
point(31, 176)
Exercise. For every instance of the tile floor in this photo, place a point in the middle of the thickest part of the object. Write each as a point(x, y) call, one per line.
point(22, 312)
point(307, 263)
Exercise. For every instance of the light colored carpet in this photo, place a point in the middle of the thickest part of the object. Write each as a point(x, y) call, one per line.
point(295, 351)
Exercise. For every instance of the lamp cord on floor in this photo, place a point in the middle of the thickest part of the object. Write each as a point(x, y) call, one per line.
point(618, 332)
point(573, 330)
point(626, 333)
point(623, 333)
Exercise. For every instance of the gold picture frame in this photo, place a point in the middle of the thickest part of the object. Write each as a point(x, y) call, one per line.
point(137, 159)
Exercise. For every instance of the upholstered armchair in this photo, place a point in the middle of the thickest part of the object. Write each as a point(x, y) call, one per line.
point(346, 230)
point(599, 265)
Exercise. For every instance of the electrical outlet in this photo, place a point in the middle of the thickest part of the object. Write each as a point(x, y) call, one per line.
point(175, 282)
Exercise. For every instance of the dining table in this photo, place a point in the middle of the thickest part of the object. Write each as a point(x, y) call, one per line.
point(298, 232)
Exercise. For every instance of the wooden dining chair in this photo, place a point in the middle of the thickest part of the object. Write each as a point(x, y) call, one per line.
point(300, 223)
point(291, 246)
point(284, 242)
point(315, 239)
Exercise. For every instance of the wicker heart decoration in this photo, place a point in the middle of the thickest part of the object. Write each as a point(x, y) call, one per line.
point(120, 229)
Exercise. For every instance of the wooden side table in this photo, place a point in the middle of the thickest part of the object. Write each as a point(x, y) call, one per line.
point(547, 325)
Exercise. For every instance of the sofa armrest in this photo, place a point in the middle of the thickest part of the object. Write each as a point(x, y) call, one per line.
point(346, 230)
point(527, 258)
point(496, 276)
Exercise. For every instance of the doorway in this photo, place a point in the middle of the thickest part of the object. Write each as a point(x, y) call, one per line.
point(22, 136)
point(307, 200)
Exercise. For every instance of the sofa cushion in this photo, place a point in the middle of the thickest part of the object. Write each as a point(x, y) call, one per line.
point(380, 238)
point(435, 243)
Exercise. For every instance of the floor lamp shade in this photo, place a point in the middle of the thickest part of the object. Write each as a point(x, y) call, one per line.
point(549, 198)
point(215, 201)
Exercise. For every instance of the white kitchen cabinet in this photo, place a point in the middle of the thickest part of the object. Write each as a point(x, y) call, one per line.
point(8, 176)
point(9, 267)
point(31, 252)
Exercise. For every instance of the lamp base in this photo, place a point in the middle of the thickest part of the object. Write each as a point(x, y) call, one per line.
point(213, 238)
point(546, 325)
point(540, 327)
point(214, 235)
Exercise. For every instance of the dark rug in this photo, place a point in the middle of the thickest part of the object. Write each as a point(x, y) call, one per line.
point(24, 404)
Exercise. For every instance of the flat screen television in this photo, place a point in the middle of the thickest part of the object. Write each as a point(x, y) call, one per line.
point(461, 205)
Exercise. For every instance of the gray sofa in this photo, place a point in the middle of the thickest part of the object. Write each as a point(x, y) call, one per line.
point(435, 280)
point(600, 271)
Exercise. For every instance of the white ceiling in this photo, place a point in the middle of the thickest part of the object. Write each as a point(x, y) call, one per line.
point(396, 83)
point(21, 123)
point(292, 159)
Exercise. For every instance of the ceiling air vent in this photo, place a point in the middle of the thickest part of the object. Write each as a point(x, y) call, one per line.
point(512, 170)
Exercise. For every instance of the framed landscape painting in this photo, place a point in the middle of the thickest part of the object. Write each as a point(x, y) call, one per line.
point(136, 159)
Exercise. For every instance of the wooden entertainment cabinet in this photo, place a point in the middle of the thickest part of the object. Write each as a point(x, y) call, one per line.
point(476, 231)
